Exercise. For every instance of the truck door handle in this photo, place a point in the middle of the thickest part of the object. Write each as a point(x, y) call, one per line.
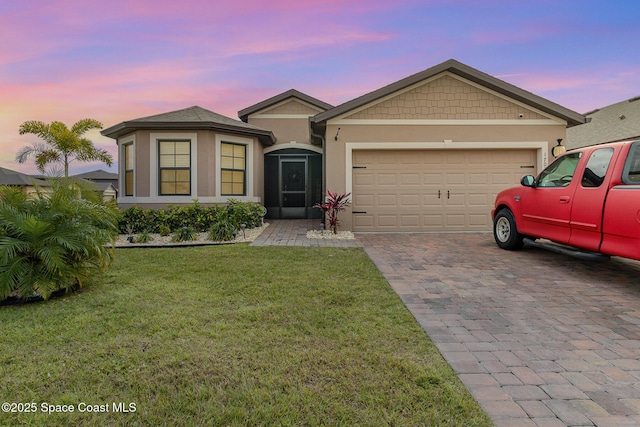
point(565, 199)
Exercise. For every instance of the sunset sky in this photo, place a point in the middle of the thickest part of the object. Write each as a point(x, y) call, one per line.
point(118, 60)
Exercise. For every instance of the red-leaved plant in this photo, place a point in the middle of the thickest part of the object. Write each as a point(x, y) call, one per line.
point(333, 204)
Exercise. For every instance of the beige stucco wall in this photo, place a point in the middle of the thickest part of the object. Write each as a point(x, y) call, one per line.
point(288, 120)
point(285, 129)
point(292, 106)
point(203, 160)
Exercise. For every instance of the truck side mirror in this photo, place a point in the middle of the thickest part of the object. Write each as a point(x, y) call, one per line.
point(528, 181)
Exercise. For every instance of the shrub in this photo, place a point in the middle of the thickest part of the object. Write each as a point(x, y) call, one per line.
point(198, 217)
point(248, 213)
point(132, 220)
point(52, 241)
point(184, 234)
point(144, 237)
point(164, 229)
point(221, 231)
point(333, 204)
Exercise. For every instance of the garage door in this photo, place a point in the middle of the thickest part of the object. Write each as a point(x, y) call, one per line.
point(432, 190)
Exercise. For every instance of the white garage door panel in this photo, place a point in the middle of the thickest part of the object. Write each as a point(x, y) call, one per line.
point(432, 190)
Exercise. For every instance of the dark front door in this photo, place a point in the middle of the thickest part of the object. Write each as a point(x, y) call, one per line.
point(292, 184)
point(293, 188)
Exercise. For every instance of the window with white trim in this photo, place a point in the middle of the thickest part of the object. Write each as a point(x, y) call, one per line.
point(128, 169)
point(174, 167)
point(233, 167)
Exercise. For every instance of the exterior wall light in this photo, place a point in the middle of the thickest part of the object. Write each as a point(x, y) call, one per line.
point(559, 149)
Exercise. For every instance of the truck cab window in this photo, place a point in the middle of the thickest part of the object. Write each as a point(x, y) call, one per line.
point(631, 172)
point(559, 173)
point(597, 167)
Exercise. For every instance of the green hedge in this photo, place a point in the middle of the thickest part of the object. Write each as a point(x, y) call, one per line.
point(136, 219)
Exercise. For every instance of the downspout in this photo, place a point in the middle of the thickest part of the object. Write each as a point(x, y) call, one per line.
point(324, 163)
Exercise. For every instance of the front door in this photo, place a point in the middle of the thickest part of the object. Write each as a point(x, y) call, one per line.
point(293, 188)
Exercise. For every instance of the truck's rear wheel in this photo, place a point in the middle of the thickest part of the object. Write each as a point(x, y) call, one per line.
point(505, 231)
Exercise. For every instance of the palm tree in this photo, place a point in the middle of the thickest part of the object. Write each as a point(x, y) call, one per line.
point(57, 240)
point(62, 144)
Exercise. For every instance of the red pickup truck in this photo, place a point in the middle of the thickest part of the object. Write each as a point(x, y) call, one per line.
point(587, 199)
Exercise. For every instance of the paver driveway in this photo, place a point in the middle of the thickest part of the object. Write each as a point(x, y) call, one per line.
point(538, 338)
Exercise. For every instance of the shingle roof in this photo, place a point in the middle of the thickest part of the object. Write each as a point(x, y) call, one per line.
point(11, 177)
point(571, 117)
point(102, 186)
point(617, 122)
point(97, 174)
point(192, 118)
point(291, 93)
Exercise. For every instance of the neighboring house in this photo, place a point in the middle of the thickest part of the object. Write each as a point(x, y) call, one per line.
point(100, 175)
point(107, 189)
point(105, 182)
point(617, 122)
point(426, 153)
point(16, 179)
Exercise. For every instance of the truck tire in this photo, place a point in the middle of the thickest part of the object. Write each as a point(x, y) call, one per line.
point(505, 231)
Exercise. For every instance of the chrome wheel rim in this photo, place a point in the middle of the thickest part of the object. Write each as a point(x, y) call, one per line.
point(503, 229)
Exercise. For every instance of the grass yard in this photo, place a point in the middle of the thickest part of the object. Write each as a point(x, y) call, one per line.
point(229, 335)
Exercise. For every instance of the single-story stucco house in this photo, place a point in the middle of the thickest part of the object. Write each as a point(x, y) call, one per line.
point(30, 184)
point(100, 176)
point(426, 153)
point(105, 182)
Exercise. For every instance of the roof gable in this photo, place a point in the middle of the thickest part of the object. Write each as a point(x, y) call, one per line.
point(97, 174)
point(445, 96)
point(291, 106)
point(472, 75)
point(265, 105)
point(192, 118)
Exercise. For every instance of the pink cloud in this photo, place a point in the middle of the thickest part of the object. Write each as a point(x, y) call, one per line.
point(577, 90)
point(123, 59)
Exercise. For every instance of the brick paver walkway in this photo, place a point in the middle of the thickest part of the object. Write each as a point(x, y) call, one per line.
point(539, 339)
point(293, 232)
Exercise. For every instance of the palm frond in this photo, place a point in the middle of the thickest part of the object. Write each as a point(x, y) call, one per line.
point(82, 126)
point(29, 150)
point(37, 128)
point(67, 144)
point(53, 242)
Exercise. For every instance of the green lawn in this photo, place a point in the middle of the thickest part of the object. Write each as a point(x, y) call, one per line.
point(230, 335)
